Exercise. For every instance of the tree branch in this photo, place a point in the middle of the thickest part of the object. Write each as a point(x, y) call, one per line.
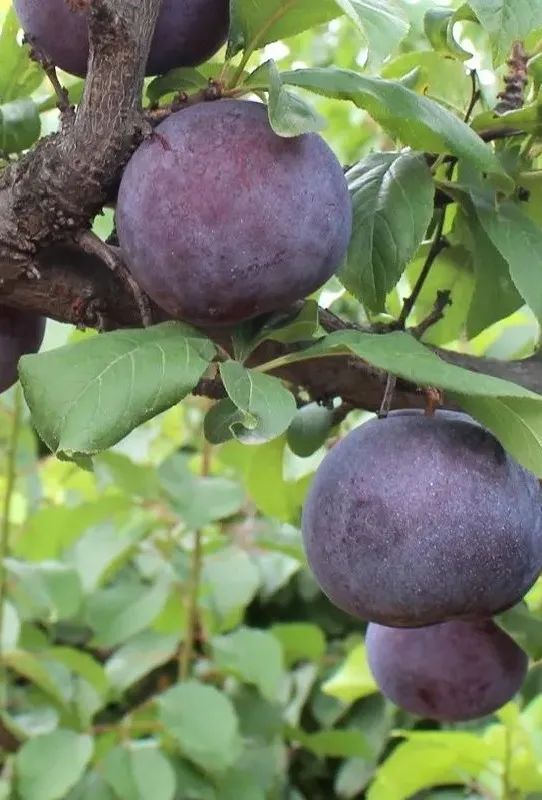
point(52, 194)
point(77, 288)
point(63, 182)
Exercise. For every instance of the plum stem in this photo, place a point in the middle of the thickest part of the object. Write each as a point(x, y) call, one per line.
point(387, 400)
point(5, 531)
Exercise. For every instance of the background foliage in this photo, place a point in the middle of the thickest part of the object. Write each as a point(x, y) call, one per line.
point(161, 635)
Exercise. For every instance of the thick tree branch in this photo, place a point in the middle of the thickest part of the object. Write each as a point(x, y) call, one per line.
point(63, 182)
point(52, 194)
point(77, 288)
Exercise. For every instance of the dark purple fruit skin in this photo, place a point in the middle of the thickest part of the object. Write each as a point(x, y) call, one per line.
point(221, 220)
point(415, 520)
point(20, 333)
point(452, 672)
point(187, 33)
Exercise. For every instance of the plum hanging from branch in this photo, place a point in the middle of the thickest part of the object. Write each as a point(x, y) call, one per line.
point(452, 672)
point(187, 33)
point(220, 219)
point(414, 520)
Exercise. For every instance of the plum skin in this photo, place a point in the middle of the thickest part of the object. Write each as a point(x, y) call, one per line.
point(452, 672)
point(187, 33)
point(414, 520)
point(220, 219)
point(20, 333)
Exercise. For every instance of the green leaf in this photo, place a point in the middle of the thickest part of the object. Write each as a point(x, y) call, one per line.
point(517, 423)
point(19, 75)
point(139, 656)
point(87, 396)
point(255, 24)
point(253, 656)
point(392, 196)
point(11, 627)
point(50, 589)
point(30, 667)
point(267, 406)
point(333, 743)
point(182, 79)
point(91, 787)
point(199, 500)
point(119, 612)
point(231, 580)
point(525, 627)
point(507, 21)
point(48, 766)
point(289, 114)
point(439, 25)
point(519, 241)
point(495, 296)
point(417, 121)
point(353, 679)
point(82, 664)
point(19, 125)
point(309, 429)
point(354, 775)
point(203, 722)
point(382, 22)
point(101, 548)
point(239, 785)
point(300, 641)
point(139, 771)
point(301, 325)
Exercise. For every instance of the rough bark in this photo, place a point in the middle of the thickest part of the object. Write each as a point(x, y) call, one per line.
point(56, 190)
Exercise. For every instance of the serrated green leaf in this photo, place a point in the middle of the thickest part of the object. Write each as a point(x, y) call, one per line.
point(417, 121)
point(87, 396)
point(507, 21)
point(203, 722)
point(48, 766)
point(139, 656)
point(300, 641)
point(19, 125)
point(382, 22)
point(392, 197)
point(253, 656)
point(289, 114)
point(267, 406)
point(255, 23)
point(353, 679)
point(138, 772)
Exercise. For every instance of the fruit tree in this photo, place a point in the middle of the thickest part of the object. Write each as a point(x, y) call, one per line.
point(270, 399)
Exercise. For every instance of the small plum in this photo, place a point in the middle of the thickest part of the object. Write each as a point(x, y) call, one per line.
point(20, 333)
point(453, 672)
point(187, 33)
point(414, 520)
point(220, 219)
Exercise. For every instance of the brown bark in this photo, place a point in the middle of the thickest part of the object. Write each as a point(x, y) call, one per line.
point(55, 191)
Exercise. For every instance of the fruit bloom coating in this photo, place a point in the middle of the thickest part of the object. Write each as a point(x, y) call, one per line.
point(452, 672)
point(187, 33)
point(414, 520)
point(20, 333)
point(220, 219)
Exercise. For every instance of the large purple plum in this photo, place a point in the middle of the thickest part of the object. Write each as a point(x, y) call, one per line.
point(220, 219)
point(452, 672)
point(414, 520)
point(187, 33)
point(20, 333)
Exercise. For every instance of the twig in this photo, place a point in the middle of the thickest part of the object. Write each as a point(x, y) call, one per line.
point(62, 94)
point(437, 313)
point(439, 244)
point(11, 458)
point(387, 400)
point(110, 256)
point(192, 615)
point(475, 95)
